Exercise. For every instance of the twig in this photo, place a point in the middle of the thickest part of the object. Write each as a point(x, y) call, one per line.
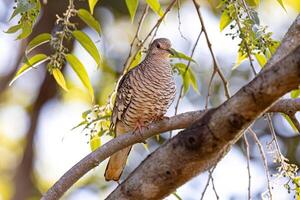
point(156, 26)
point(185, 71)
point(216, 65)
point(248, 165)
point(96, 157)
point(136, 36)
point(213, 185)
point(264, 159)
point(179, 21)
point(208, 181)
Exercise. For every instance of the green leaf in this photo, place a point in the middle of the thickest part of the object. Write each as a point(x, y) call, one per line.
point(88, 45)
point(95, 142)
point(288, 119)
point(22, 6)
point(240, 58)
point(155, 6)
point(225, 20)
point(132, 6)
point(79, 69)
point(92, 4)
point(261, 59)
point(193, 80)
point(136, 60)
point(281, 4)
point(180, 55)
point(26, 30)
point(253, 3)
point(177, 196)
point(85, 16)
point(186, 83)
point(29, 64)
point(273, 47)
point(295, 93)
point(188, 77)
point(59, 77)
point(85, 113)
point(14, 29)
point(80, 124)
point(37, 41)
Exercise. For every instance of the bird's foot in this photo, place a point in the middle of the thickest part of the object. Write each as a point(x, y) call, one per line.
point(138, 130)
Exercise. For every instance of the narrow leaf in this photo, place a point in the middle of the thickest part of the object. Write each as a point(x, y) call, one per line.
point(95, 142)
point(281, 4)
point(261, 59)
point(79, 69)
point(22, 6)
point(193, 80)
point(295, 93)
point(92, 4)
point(85, 16)
point(253, 3)
point(37, 41)
point(136, 60)
point(14, 29)
point(80, 124)
point(155, 6)
point(225, 20)
point(26, 30)
point(186, 83)
point(29, 64)
point(181, 55)
point(240, 58)
point(59, 77)
point(88, 45)
point(274, 47)
point(288, 119)
point(132, 6)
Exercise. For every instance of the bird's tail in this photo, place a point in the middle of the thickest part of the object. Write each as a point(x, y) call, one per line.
point(117, 161)
point(116, 164)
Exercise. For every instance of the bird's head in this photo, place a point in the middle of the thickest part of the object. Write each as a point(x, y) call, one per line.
point(161, 47)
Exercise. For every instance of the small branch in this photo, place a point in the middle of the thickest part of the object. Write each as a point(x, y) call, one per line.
point(136, 36)
point(186, 69)
point(154, 28)
point(216, 65)
point(95, 158)
point(263, 157)
point(248, 165)
point(210, 172)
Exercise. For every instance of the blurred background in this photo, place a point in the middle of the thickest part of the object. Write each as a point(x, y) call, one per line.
point(37, 144)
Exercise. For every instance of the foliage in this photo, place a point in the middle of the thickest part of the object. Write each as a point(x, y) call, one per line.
point(28, 11)
point(245, 25)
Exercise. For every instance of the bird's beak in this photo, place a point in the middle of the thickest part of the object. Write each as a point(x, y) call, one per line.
point(171, 51)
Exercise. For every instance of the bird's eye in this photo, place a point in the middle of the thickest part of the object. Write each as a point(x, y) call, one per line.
point(158, 45)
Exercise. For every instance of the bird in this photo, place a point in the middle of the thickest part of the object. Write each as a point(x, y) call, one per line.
point(143, 96)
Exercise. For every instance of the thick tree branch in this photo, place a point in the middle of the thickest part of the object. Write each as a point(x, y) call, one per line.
point(199, 147)
point(177, 122)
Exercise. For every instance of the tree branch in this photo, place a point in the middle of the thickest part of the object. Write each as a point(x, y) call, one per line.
point(95, 158)
point(200, 146)
point(196, 149)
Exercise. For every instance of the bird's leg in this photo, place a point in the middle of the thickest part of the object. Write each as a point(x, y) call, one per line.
point(138, 128)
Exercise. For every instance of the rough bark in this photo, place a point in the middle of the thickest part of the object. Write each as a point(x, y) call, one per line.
point(199, 147)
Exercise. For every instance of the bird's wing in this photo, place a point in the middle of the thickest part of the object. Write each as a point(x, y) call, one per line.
point(123, 99)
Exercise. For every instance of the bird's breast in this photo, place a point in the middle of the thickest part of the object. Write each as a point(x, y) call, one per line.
point(153, 92)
